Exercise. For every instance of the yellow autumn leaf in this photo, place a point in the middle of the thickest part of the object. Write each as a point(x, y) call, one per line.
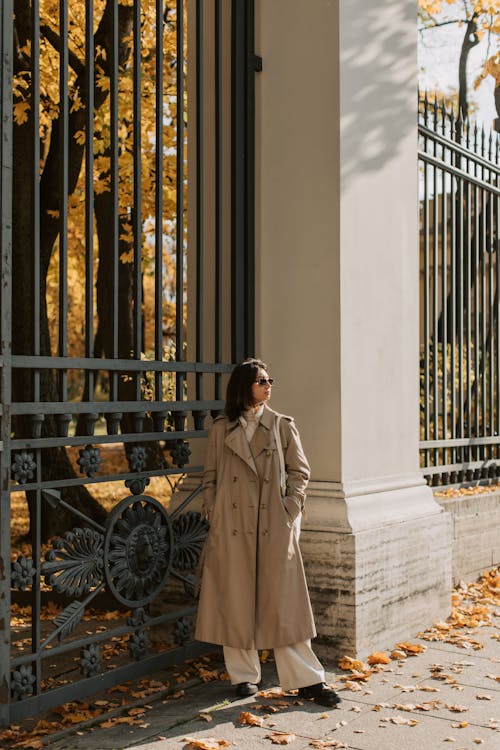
point(378, 657)
point(204, 743)
point(245, 717)
point(20, 112)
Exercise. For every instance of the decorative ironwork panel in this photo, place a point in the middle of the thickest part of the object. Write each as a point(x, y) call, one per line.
point(125, 130)
point(459, 171)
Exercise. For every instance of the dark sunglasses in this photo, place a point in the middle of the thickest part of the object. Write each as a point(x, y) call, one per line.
point(264, 381)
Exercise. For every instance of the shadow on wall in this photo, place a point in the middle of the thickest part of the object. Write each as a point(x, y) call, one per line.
point(378, 96)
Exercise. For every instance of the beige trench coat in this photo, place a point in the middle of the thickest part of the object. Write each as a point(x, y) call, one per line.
point(253, 588)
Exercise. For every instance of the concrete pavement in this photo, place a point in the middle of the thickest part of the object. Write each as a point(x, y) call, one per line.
point(448, 696)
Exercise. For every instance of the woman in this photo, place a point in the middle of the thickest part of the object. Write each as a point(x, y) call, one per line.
point(253, 591)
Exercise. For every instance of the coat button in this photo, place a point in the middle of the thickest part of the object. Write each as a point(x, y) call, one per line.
point(269, 453)
point(266, 479)
point(235, 532)
point(235, 479)
point(263, 507)
point(265, 532)
point(235, 505)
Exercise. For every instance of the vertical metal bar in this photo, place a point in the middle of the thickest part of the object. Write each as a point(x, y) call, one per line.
point(6, 145)
point(238, 182)
point(461, 312)
point(468, 317)
point(63, 193)
point(36, 589)
point(453, 314)
point(476, 281)
point(484, 344)
point(218, 193)
point(200, 204)
point(159, 196)
point(114, 178)
point(435, 310)
point(137, 210)
point(89, 192)
point(252, 65)
point(491, 314)
point(444, 310)
point(35, 121)
point(244, 65)
point(180, 190)
point(427, 337)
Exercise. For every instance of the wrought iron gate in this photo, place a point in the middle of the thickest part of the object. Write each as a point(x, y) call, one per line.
point(127, 292)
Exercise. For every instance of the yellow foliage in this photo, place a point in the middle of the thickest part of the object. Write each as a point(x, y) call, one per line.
point(49, 110)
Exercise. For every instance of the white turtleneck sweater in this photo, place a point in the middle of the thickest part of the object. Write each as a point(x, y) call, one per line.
point(250, 419)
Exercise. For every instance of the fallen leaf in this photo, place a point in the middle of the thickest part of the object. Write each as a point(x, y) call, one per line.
point(378, 657)
point(266, 707)
point(245, 717)
point(271, 693)
point(483, 697)
point(205, 717)
point(347, 662)
point(327, 743)
point(478, 741)
point(204, 743)
point(460, 725)
point(410, 649)
point(456, 708)
point(398, 654)
point(323, 716)
point(449, 739)
point(278, 738)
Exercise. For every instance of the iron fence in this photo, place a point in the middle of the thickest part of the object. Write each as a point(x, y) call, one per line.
point(459, 171)
point(127, 292)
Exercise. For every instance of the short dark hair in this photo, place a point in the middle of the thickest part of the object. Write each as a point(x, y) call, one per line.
point(239, 388)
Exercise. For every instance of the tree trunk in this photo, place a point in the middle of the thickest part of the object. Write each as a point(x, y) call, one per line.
point(55, 462)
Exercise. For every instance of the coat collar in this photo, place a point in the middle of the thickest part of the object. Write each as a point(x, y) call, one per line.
point(263, 438)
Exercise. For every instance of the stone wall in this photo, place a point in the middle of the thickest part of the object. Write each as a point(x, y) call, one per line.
point(475, 524)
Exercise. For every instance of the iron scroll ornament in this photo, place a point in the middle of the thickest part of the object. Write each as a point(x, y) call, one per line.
point(138, 550)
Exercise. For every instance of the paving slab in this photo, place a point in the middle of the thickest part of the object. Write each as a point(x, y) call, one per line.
point(377, 732)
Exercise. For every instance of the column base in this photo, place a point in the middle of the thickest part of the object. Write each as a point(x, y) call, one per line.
point(378, 563)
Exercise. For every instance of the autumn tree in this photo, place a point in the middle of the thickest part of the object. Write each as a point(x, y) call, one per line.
point(27, 215)
point(479, 21)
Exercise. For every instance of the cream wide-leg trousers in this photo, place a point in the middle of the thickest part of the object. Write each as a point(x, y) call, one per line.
point(297, 666)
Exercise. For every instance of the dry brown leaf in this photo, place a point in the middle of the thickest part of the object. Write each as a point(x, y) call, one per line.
point(378, 657)
point(410, 649)
point(460, 725)
point(348, 663)
point(30, 743)
point(327, 743)
point(271, 693)
point(205, 717)
point(478, 741)
point(280, 738)
point(398, 654)
point(404, 706)
point(245, 717)
point(136, 711)
point(204, 743)
point(456, 708)
point(267, 707)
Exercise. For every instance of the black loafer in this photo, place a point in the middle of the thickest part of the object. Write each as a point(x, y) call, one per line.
point(320, 694)
point(244, 689)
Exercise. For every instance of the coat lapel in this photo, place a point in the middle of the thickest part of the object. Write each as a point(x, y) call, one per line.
point(237, 442)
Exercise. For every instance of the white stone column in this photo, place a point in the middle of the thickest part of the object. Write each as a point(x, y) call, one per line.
point(337, 306)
